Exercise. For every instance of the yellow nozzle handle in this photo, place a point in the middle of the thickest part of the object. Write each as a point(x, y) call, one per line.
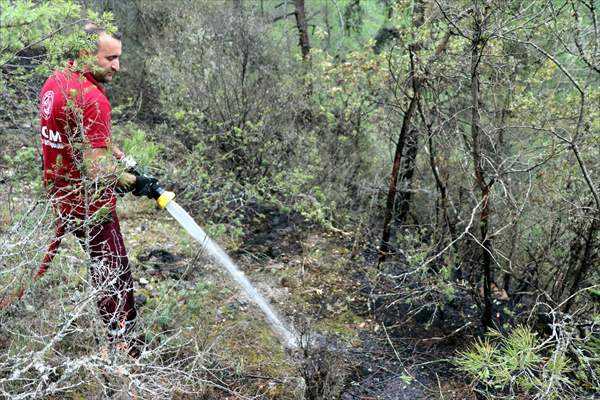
point(164, 199)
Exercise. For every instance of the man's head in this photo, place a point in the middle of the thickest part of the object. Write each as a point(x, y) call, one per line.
point(108, 53)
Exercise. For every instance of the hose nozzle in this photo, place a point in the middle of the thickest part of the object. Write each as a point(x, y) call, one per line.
point(147, 185)
point(164, 197)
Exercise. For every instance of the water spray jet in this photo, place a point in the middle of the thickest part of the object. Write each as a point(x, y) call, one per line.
point(165, 200)
point(214, 250)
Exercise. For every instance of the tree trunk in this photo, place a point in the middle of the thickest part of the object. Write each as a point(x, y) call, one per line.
point(417, 83)
point(486, 260)
point(384, 249)
point(302, 29)
point(408, 171)
point(588, 258)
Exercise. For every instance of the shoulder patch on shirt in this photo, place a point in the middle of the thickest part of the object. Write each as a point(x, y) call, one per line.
point(47, 104)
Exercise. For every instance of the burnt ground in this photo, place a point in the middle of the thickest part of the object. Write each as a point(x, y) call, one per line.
point(318, 279)
point(406, 361)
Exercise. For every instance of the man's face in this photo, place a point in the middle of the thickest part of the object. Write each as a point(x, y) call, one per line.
point(107, 58)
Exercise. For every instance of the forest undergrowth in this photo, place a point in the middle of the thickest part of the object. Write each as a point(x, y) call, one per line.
point(205, 339)
point(411, 184)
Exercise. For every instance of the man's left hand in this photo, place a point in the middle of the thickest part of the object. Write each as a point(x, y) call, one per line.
point(145, 186)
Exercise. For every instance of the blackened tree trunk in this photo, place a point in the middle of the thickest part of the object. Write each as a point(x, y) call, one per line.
point(417, 85)
point(384, 248)
point(302, 28)
point(584, 260)
point(408, 171)
point(477, 45)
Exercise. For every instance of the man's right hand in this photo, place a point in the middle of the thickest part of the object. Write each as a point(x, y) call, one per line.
point(99, 163)
point(127, 180)
point(126, 183)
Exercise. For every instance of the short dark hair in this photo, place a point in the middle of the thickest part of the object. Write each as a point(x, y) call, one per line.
point(92, 29)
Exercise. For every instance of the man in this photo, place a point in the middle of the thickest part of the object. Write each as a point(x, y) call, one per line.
point(81, 173)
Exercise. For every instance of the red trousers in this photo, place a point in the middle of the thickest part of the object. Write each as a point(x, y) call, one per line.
point(110, 273)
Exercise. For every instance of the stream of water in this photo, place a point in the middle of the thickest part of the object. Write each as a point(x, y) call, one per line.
point(279, 327)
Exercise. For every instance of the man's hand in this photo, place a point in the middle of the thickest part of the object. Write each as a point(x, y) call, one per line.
point(100, 164)
point(145, 186)
point(127, 180)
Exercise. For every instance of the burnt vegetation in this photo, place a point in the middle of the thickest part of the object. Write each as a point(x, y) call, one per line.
point(413, 184)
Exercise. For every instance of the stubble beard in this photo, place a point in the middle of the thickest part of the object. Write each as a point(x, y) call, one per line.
point(103, 77)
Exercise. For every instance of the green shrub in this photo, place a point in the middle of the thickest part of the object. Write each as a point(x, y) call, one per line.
point(136, 144)
point(518, 363)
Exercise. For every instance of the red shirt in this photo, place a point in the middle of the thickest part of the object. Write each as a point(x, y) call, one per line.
point(74, 115)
